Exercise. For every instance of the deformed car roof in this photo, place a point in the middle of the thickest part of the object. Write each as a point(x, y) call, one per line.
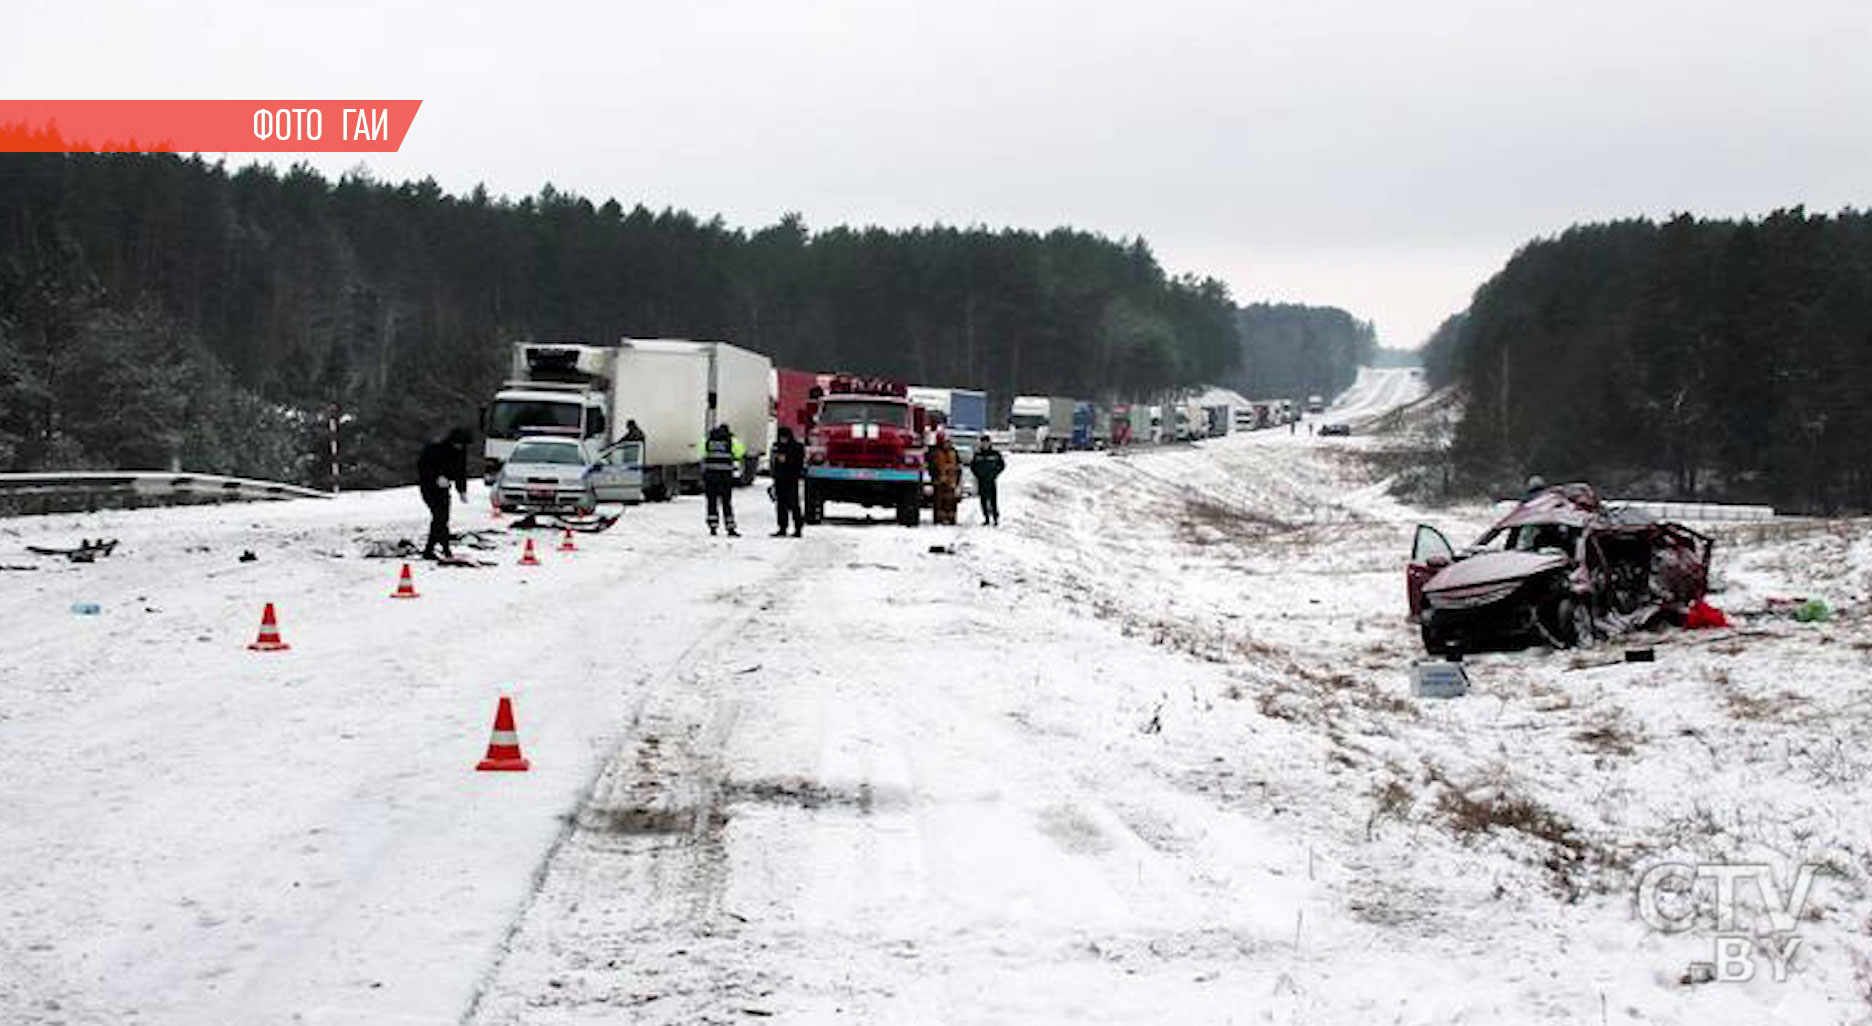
point(1574, 505)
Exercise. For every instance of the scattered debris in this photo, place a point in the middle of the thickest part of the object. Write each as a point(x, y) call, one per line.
point(1439, 679)
point(558, 522)
point(86, 608)
point(1813, 611)
point(1703, 615)
point(247, 556)
point(87, 551)
point(1641, 655)
point(942, 550)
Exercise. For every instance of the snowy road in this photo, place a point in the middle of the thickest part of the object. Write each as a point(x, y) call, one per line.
point(1141, 755)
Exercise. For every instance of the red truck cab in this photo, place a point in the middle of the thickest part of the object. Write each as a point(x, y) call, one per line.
point(864, 445)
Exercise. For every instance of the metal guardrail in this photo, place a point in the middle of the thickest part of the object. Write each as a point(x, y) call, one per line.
point(149, 483)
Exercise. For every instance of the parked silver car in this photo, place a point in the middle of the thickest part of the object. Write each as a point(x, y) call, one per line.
point(553, 474)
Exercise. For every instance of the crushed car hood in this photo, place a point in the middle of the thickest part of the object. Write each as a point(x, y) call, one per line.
point(1491, 568)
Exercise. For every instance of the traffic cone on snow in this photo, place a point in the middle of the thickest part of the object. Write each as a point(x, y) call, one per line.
point(269, 639)
point(566, 544)
point(527, 558)
point(406, 585)
point(503, 754)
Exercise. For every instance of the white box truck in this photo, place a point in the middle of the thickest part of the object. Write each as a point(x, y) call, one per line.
point(675, 389)
point(1041, 423)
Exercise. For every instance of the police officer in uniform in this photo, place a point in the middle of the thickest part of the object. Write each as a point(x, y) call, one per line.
point(788, 465)
point(721, 465)
point(987, 466)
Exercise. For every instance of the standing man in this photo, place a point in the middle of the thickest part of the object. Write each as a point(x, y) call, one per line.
point(442, 461)
point(945, 471)
point(987, 466)
point(788, 465)
point(721, 464)
point(632, 433)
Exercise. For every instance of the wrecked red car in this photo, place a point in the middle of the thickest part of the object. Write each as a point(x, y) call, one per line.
point(1560, 569)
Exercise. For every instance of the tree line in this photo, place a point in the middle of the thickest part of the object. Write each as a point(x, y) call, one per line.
point(1717, 359)
point(1292, 351)
point(157, 310)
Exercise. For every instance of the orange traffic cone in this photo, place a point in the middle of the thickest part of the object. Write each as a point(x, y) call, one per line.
point(269, 639)
point(566, 544)
point(527, 558)
point(406, 585)
point(503, 754)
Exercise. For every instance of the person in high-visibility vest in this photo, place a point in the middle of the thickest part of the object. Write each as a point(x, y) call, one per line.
point(722, 453)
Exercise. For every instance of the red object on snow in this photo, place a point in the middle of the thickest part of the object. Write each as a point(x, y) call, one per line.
point(527, 558)
point(1702, 614)
point(406, 586)
point(566, 544)
point(269, 639)
point(503, 754)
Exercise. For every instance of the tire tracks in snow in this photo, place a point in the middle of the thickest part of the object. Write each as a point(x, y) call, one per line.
point(680, 667)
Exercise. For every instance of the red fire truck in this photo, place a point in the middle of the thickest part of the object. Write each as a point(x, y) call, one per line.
point(865, 446)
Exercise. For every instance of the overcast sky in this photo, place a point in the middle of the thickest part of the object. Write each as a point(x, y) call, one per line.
point(1381, 156)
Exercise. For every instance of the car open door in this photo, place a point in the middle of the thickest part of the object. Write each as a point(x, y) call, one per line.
point(618, 475)
point(1430, 552)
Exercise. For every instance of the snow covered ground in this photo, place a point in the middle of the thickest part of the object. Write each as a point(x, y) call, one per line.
point(1146, 753)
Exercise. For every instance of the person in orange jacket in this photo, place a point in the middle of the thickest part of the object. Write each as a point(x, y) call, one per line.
point(945, 471)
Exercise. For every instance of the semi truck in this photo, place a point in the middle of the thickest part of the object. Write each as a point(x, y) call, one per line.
point(961, 412)
point(865, 446)
point(1041, 423)
point(676, 390)
point(1121, 415)
point(1082, 420)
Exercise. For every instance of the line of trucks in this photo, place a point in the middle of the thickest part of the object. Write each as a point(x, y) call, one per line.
point(865, 437)
point(1050, 423)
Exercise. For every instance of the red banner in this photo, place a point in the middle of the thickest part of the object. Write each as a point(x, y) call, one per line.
point(210, 126)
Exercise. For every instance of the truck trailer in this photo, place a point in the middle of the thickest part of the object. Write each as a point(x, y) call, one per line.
point(1041, 423)
point(676, 390)
point(961, 412)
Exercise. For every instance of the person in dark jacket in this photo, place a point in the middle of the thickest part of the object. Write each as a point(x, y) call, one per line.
point(441, 462)
point(632, 433)
point(721, 464)
point(987, 466)
point(788, 465)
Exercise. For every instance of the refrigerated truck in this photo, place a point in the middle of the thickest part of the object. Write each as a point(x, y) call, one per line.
point(676, 390)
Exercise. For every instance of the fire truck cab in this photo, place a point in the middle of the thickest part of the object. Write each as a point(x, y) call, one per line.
point(864, 445)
